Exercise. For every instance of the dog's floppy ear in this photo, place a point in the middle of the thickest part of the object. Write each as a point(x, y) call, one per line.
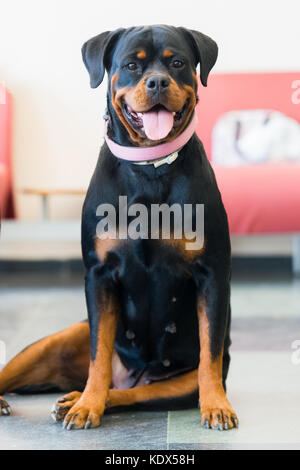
point(205, 51)
point(96, 52)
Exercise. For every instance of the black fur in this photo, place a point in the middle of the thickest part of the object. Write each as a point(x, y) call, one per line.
point(145, 275)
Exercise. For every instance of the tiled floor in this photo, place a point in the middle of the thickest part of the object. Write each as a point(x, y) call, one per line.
point(263, 384)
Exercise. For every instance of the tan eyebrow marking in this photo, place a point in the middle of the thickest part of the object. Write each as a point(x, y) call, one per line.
point(141, 54)
point(167, 53)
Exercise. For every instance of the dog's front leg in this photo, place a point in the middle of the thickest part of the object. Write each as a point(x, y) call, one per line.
point(103, 311)
point(216, 411)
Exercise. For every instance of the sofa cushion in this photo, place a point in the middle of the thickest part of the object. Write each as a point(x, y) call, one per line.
point(3, 187)
point(261, 198)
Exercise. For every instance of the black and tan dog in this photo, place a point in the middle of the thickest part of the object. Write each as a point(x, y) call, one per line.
point(154, 308)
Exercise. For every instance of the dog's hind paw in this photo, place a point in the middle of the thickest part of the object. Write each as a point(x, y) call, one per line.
point(5, 409)
point(63, 405)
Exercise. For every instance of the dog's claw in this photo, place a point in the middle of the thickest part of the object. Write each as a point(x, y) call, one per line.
point(70, 426)
point(72, 422)
point(53, 416)
point(221, 419)
point(88, 424)
point(53, 413)
point(5, 409)
point(206, 424)
point(61, 408)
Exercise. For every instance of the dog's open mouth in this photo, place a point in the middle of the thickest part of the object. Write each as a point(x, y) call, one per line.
point(156, 123)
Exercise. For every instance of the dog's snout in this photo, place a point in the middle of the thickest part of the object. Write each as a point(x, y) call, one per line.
point(157, 83)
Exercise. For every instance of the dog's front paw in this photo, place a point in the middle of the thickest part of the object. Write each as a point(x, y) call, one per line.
point(218, 414)
point(64, 404)
point(85, 414)
point(4, 408)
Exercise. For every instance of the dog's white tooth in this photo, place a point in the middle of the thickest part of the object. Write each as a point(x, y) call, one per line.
point(173, 113)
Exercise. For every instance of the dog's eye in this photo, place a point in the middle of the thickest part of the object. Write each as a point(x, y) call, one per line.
point(177, 64)
point(132, 66)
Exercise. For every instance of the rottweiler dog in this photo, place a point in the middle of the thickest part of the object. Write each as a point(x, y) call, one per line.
point(158, 328)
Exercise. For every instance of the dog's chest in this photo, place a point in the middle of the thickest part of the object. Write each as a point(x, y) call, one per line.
point(158, 326)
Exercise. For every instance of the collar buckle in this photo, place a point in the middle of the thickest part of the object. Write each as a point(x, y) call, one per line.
point(169, 159)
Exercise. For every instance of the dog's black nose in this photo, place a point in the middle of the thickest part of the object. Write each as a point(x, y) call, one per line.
point(157, 83)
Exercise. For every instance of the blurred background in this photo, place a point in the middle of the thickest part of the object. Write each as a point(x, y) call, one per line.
point(51, 129)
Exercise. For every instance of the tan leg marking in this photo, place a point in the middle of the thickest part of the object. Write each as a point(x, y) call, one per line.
point(171, 388)
point(47, 360)
point(216, 411)
point(87, 412)
point(59, 359)
point(64, 404)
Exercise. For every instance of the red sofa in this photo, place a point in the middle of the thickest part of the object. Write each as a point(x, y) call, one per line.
point(258, 198)
point(5, 151)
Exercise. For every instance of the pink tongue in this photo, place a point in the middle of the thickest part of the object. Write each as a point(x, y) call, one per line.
point(158, 124)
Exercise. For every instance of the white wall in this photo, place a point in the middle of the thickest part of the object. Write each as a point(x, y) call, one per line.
point(58, 125)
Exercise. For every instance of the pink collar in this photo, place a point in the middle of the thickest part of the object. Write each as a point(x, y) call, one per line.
point(144, 154)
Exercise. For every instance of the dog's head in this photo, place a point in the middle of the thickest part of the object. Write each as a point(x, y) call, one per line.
point(152, 77)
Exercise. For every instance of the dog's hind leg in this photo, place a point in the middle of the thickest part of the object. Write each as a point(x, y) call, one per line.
point(174, 393)
point(167, 393)
point(59, 361)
